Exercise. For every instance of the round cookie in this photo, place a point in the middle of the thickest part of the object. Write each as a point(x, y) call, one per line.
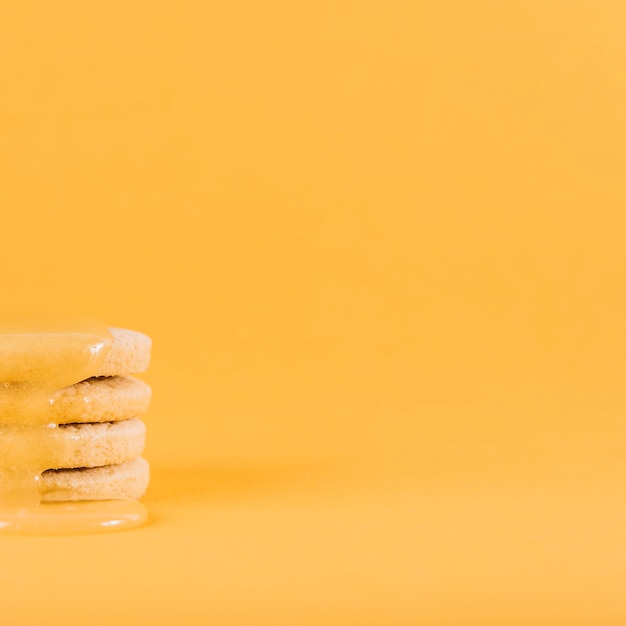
point(93, 445)
point(129, 353)
point(123, 481)
point(33, 357)
point(73, 445)
point(102, 399)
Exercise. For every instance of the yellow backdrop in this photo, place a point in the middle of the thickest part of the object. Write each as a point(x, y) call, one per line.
point(379, 247)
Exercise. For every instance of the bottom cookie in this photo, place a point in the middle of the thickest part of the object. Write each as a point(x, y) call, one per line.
point(111, 482)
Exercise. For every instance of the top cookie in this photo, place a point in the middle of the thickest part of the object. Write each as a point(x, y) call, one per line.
point(60, 357)
point(129, 353)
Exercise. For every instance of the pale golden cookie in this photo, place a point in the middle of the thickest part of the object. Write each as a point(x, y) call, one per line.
point(103, 399)
point(39, 355)
point(127, 480)
point(73, 445)
point(129, 353)
point(93, 445)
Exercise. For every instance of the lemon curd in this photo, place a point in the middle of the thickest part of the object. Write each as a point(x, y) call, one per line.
point(37, 358)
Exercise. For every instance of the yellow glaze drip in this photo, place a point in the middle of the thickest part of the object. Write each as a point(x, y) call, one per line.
point(37, 358)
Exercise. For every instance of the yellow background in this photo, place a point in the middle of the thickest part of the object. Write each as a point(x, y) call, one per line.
point(379, 247)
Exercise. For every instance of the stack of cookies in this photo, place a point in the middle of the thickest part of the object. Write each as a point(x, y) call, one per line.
point(94, 452)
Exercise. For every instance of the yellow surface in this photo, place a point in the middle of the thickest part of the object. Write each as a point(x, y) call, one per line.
point(380, 249)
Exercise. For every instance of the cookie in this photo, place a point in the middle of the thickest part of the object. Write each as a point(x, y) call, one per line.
point(129, 353)
point(34, 357)
point(102, 399)
point(124, 481)
point(73, 445)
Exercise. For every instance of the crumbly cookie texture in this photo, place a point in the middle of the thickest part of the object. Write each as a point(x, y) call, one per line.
point(123, 481)
point(93, 445)
point(129, 353)
point(102, 399)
